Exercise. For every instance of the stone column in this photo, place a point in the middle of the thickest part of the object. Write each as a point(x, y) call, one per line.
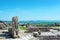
point(15, 30)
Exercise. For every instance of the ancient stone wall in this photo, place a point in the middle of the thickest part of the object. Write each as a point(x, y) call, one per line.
point(37, 29)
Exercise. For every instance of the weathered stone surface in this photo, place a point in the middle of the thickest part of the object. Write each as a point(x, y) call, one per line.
point(15, 26)
point(14, 30)
point(15, 22)
point(33, 29)
point(39, 32)
point(10, 30)
point(3, 25)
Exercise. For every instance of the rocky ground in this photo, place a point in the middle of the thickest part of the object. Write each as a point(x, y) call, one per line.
point(23, 36)
point(27, 36)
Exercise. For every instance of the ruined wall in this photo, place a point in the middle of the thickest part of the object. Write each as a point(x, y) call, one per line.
point(37, 29)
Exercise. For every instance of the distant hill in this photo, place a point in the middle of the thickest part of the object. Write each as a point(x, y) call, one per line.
point(36, 22)
point(40, 22)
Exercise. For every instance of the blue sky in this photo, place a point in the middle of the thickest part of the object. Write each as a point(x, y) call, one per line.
point(30, 9)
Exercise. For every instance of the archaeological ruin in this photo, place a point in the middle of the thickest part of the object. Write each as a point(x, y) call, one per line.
point(41, 33)
point(3, 25)
point(14, 31)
